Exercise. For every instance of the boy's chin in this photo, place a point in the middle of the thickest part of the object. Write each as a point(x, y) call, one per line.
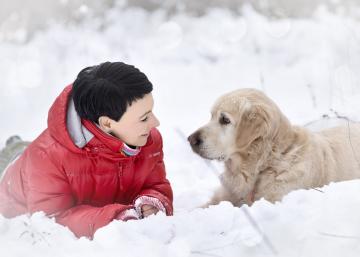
point(140, 142)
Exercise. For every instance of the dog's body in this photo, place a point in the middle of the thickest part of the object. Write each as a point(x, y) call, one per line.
point(265, 156)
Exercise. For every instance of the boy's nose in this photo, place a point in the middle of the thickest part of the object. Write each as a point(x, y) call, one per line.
point(156, 122)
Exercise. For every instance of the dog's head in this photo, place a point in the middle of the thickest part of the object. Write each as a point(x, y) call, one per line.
point(241, 121)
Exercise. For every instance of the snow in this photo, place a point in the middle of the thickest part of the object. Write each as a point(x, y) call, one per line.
point(305, 223)
point(308, 66)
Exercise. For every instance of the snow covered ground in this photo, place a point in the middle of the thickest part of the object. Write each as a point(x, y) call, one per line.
point(309, 67)
point(306, 223)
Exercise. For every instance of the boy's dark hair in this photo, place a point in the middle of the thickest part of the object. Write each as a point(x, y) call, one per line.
point(108, 89)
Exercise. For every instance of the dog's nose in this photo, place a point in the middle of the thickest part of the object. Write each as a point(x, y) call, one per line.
point(194, 139)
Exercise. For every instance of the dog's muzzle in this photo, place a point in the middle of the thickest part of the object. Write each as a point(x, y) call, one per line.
point(195, 141)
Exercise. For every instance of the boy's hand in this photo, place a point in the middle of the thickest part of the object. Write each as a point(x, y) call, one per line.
point(148, 210)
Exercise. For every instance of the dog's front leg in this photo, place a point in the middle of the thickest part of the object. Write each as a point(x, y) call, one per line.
point(240, 187)
point(221, 194)
point(234, 188)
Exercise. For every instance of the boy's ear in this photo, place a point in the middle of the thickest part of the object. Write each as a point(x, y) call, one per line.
point(105, 123)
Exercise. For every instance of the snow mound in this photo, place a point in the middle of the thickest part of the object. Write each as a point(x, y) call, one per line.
point(317, 222)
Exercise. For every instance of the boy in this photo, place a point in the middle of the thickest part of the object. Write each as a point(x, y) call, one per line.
point(99, 159)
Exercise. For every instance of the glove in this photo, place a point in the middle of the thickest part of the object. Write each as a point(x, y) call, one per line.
point(148, 200)
point(129, 214)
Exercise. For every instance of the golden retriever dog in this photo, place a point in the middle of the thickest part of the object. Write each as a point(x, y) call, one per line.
point(267, 157)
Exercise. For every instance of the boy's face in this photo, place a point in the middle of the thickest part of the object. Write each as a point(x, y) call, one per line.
point(134, 126)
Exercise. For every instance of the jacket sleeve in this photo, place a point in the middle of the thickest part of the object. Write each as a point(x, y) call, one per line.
point(49, 191)
point(156, 184)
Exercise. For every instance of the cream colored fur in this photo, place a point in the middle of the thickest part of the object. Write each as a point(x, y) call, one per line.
point(267, 157)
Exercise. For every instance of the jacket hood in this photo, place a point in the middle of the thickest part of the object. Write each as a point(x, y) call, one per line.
point(65, 125)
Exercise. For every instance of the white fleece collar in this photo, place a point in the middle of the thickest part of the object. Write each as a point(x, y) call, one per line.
point(77, 131)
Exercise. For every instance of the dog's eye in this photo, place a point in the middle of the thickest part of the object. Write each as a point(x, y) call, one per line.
point(224, 120)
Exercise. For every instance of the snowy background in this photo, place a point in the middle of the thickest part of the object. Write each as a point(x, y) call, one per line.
point(304, 55)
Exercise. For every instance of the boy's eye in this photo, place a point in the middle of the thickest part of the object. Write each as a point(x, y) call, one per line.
point(145, 119)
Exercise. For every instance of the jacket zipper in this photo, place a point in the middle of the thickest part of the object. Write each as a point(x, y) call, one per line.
point(91, 228)
point(121, 177)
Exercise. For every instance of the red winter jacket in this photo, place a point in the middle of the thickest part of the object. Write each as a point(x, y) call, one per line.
point(77, 174)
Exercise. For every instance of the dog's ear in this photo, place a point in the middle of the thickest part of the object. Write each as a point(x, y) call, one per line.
point(254, 125)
